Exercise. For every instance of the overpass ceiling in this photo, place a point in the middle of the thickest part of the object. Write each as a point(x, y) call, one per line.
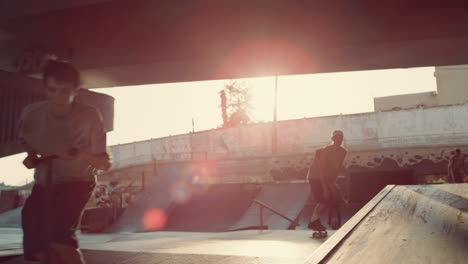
point(119, 43)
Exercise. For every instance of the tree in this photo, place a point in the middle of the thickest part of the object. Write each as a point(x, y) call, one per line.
point(235, 104)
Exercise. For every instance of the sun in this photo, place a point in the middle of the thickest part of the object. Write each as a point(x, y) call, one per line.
point(262, 91)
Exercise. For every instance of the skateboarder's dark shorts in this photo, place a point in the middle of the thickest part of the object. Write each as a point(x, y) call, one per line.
point(317, 191)
point(458, 175)
point(68, 202)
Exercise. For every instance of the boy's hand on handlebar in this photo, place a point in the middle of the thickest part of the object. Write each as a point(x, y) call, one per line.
point(31, 161)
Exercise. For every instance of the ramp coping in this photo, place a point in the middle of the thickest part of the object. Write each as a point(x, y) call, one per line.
point(330, 244)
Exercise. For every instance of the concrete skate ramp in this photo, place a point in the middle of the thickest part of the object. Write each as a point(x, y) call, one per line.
point(286, 198)
point(9, 200)
point(11, 218)
point(157, 194)
point(404, 224)
point(212, 210)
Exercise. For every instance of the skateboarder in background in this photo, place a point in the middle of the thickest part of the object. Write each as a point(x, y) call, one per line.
point(322, 176)
point(457, 167)
point(73, 134)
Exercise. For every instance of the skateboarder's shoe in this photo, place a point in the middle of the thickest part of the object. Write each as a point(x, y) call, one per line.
point(316, 226)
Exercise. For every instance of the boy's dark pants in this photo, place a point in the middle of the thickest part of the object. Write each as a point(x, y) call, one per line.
point(67, 203)
point(317, 191)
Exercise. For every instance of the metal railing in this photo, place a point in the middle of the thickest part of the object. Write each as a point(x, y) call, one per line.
point(262, 205)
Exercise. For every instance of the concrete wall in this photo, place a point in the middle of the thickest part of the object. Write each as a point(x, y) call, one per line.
point(452, 84)
point(424, 127)
point(397, 147)
point(366, 170)
point(405, 101)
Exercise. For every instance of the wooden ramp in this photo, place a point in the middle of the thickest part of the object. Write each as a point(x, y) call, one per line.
point(404, 224)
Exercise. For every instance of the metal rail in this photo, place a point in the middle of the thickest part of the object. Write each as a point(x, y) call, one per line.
point(262, 205)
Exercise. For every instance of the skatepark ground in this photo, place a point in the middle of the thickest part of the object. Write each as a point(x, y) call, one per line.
point(248, 246)
point(199, 230)
point(401, 224)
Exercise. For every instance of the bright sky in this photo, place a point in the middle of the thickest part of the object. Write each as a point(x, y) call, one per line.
point(152, 111)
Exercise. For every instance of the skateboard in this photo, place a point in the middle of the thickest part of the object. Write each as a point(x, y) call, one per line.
point(320, 231)
point(320, 234)
point(334, 221)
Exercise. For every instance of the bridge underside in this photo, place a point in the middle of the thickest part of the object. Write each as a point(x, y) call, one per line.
point(119, 43)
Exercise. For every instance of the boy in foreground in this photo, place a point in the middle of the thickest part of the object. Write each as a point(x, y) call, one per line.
point(66, 144)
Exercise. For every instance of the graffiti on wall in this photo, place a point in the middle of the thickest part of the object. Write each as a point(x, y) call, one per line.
point(430, 162)
point(113, 195)
point(428, 165)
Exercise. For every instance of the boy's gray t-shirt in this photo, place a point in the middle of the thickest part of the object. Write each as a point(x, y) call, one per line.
point(49, 135)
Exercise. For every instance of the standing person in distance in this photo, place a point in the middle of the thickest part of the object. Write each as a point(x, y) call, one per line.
point(322, 175)
point(457, 167)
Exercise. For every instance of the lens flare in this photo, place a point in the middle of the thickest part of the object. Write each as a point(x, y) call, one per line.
point(199, 188)
point(154, 219)
point(180, 192)
point(267, 56)
point(203, 171)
